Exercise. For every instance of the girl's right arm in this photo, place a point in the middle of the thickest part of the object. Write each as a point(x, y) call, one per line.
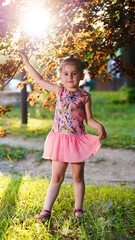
point(93, 123)
point(38, 78)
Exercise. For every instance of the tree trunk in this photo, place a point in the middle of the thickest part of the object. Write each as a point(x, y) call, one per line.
point(129, 57)
point(24, 100)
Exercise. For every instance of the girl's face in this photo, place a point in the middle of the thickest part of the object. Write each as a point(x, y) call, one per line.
point(70, 77)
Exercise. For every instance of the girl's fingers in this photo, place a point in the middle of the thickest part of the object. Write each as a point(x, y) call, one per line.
point(22, 52)
point(102, 135)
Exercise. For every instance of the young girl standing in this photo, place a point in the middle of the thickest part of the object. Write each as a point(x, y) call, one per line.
point(68, 141)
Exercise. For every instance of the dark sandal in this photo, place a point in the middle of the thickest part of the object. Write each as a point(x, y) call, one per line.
point(79, 215)
point(44, 216)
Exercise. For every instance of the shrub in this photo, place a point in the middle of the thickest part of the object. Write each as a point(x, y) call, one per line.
point(131, 95)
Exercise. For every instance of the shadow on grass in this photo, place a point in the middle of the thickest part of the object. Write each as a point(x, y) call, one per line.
point(8, 205)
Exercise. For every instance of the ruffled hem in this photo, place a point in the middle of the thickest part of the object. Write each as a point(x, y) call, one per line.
point(70, 148)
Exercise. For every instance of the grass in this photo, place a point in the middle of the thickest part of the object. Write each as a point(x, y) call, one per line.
point(118, 118)
point(16, 153)
point(11, 152)
point(109, 211)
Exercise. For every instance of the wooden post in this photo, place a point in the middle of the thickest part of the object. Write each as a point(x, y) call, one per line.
point(128, 55)
point(24, 100)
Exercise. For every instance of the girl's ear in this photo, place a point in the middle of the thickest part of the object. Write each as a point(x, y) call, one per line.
point(83, 75)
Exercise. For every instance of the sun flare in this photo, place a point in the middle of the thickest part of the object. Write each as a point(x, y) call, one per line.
point(36, 22)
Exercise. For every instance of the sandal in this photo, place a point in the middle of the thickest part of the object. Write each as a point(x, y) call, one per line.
point(45, 215)
point(79, 215)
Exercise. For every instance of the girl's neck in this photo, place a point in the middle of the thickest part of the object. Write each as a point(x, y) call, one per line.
point(72, 89)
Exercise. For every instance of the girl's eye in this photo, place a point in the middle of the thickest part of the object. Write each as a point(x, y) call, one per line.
point(73, 74)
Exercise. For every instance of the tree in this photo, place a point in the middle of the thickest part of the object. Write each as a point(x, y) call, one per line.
point(93, 30)
point(3, 111)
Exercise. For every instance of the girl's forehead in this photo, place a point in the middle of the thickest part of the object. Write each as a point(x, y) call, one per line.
point(70, 66)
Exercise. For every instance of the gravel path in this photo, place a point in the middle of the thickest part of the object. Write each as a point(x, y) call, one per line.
point(109, 166)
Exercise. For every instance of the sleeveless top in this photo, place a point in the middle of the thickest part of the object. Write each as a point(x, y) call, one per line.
point(70, 112)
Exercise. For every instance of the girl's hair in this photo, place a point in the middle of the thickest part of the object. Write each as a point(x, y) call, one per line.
point(81, 65)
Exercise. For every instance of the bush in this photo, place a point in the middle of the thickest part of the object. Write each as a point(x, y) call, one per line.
point(131, 95)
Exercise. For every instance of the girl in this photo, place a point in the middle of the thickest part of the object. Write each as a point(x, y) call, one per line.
point(68, 141)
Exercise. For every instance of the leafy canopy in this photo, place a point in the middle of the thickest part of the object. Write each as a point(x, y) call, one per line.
point(93, 30)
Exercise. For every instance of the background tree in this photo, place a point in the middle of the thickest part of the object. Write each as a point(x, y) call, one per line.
point(93, 30)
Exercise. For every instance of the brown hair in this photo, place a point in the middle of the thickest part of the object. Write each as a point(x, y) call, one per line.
point(81, 65)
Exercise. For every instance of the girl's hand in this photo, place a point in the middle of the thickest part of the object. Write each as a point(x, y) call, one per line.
point(23, 54)
point(102, 132)
point(50, 87)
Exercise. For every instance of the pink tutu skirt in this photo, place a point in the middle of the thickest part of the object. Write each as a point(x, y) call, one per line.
point(70, 148)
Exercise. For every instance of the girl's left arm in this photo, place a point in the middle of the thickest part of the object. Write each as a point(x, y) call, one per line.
point(93, 123)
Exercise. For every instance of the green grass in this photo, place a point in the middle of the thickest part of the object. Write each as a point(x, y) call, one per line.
point(16, 153)
point(39, 122)
point(109, 211)
point(118, 118)
point(11, 152)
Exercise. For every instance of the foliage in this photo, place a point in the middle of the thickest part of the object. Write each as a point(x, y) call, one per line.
point(3, 111)
point(129, 95)
point(93, 30)
point(109, 211)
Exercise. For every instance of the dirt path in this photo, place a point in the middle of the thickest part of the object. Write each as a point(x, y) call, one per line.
point(108, 166)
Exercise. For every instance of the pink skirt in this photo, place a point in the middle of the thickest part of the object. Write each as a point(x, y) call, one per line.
point(70, 148)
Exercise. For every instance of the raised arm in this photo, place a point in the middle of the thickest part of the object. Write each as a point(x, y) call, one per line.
point(93, 123)
point(38, 78)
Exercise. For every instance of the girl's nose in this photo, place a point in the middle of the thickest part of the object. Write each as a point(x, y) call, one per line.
point(71, 76)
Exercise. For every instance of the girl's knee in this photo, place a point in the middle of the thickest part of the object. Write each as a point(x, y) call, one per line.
point(58, 179)
point(78, 178)
point(58, 171)
point(78, 172)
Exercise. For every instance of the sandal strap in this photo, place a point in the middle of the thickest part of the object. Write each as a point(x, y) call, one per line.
point(78, 210)
point(47, 211)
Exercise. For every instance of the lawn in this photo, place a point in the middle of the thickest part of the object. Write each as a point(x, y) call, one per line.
point(109, 211)
point(108, 107)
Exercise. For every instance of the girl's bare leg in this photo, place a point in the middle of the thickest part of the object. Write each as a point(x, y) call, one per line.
point(58, 174)
point(79, 184)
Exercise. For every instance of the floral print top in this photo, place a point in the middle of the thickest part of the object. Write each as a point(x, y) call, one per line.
point(70, 112)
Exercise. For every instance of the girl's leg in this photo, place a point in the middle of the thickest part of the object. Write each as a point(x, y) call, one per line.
point(58, 174)
point(79, 184)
